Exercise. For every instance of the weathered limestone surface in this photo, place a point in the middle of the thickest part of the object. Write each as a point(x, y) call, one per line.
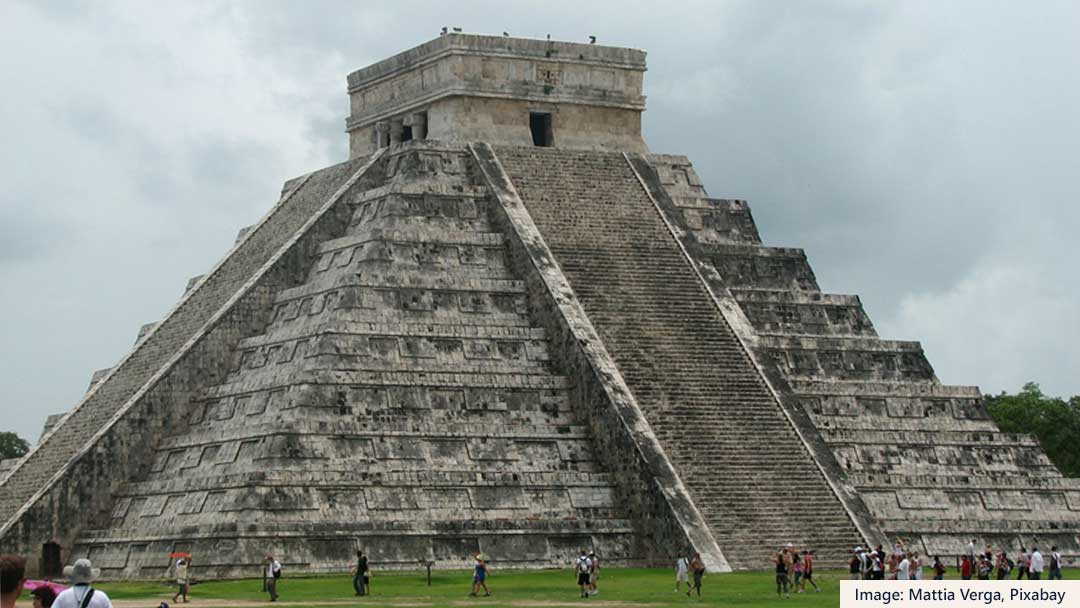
point(921, 459)
point(723, 431)
point(398, 398)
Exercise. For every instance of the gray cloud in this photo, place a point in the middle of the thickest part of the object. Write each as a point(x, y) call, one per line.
point(922, 153)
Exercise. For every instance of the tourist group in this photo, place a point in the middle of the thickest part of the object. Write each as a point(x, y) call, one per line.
point(905, 564)
point(794, 570)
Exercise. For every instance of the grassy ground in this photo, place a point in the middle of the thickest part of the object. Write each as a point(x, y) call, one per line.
point(618, 587)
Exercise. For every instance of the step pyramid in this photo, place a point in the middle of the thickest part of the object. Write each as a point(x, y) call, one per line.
point(505, 327)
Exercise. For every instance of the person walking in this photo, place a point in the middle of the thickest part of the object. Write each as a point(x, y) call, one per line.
point(1022, 564)
point(1055, 564)
point(682, 569)
point(1037, 565)
point(697, 568)
point(182, 580)
point(808, 570)
point(781, 572)
point(793, 557)
point(583, 567)
point(361, 582)
point(480, 572)
point(855, 565)
point(877, 567)
point(939, 569)
point(1004, 565)
point(797, 567)
point(903, 572)
point(273, 573)
point(594, 573)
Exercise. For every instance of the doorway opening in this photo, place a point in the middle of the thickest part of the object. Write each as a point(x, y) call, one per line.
point(52, 566)
point(540, 125)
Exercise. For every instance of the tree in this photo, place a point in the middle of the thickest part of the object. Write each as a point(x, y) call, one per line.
point(1054, 421)
point(12, 446)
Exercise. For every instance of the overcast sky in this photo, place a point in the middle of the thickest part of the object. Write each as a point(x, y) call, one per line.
point(923, 153)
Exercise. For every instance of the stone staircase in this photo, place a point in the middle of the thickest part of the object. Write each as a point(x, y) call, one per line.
point(399, 400)
point(747, 470)
point(924, 459)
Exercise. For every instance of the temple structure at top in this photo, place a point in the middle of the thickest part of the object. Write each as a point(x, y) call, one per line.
point(503, 91)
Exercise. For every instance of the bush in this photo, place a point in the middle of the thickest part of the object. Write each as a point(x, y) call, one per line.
point(1054, 421)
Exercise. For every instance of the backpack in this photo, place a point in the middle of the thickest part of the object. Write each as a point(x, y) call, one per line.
point(1009, 564)
point(1054, 565)
point(276, 572)
point(854, 565)
point(583, 565)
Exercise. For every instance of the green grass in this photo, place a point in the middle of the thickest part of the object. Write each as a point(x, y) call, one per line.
point(645, 587)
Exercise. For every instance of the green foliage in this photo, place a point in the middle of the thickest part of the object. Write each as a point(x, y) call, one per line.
point(12, 446)
point(1054, 421)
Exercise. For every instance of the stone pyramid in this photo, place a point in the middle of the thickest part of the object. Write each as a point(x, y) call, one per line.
point(505, 327)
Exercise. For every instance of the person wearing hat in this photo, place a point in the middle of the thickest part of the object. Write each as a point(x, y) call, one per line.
point(183, 579)
point(81, 594)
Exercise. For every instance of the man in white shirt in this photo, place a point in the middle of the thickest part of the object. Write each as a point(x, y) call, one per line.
point(1036, 564)
point(903, 570)
point(273, 572)
point(971, 550)
point(682, 566)
point(866, 564)
point(81, 594)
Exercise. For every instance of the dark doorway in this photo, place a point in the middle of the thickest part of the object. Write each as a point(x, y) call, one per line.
point(51, 565)
point(406, 133)
point(540, 125)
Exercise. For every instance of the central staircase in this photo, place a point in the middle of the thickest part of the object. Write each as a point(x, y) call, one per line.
point(746, 468)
